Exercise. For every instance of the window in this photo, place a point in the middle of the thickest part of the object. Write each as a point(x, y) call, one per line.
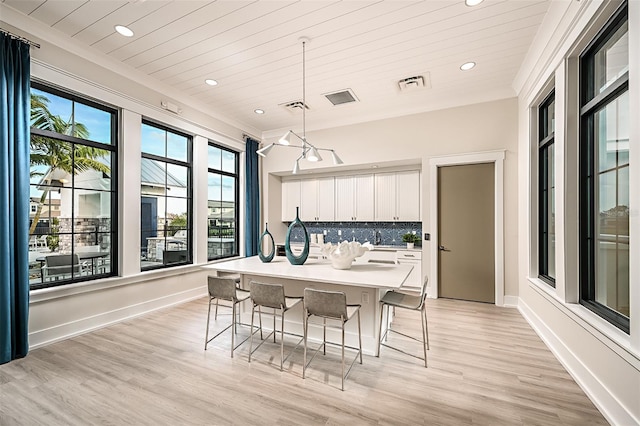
point(222, 203)
point(166, 204)
point(604, 173)
point(73, 158)
point(546, 184)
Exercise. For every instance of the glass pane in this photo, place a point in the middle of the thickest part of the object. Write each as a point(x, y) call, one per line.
point(215, 158)
point(153, 177)
point(50, 161)
point(612, 60)
point(50, 112)
point(228, 162)
point(551, 239)
point(550, 118)
point(94, 124)
point(153, 140)
point(177, 146)
point(95, 168)
point(228, 188)
point(612, 133)
point(214, 187)
point(177, 180)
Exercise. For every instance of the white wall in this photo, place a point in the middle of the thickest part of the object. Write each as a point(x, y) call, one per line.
point(604, 360)
point(473, 128)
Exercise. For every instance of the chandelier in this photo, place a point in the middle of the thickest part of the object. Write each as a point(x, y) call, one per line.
point(309, 151)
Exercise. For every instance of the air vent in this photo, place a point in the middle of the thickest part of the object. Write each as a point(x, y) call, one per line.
point(341, 97)
point(413, 83)
point(295, 106)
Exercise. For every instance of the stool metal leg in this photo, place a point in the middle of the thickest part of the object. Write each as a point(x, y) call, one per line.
point(305, 324)
point(359, 337)
point(281, 337)
point(423, 320)
point(342, 386)
point(324, 336)
point(380, 329)
point(233, 326)
point(206, 337)
point(253, 310)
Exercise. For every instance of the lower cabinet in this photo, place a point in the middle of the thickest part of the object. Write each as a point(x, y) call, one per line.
point(413, 258)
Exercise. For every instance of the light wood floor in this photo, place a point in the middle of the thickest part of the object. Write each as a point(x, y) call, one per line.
point(486, 366)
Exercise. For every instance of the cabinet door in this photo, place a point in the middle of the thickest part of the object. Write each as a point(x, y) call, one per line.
point(290, 199)
point(326, 200)
point(408, 196)
point(385, 197)
point(364, 198)
point(309, 200)
point(345, 203)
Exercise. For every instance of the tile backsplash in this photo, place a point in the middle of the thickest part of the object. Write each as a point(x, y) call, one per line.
point(390, 232)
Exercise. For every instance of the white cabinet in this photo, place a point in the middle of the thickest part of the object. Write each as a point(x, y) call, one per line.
point(354, 198)
point(317, 200)
point(290, 199)
point(397, 196)
point(413, 258)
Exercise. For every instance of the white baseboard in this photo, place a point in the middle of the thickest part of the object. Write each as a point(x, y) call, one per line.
point(510, 301)
point(609, 406)
point(71, 329)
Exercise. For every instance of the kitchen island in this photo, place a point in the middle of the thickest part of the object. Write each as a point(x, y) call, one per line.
point(364, 283)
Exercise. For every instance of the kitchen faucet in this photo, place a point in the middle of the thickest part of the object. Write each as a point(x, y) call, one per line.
point(376, 238)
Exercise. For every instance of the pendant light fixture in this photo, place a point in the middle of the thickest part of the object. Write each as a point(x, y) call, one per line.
point(309, 151)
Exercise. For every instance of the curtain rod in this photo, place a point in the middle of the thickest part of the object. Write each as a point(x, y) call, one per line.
point(17, 37)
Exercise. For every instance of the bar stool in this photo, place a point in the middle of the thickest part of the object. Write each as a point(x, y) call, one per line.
point(225, 289)
point(271, 296)
point(329, 305)
point(414, 302)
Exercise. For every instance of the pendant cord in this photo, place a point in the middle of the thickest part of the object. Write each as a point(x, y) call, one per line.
point(304, 100)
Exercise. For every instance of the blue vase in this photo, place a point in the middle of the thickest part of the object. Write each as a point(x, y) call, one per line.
point(297, 260)
point(272, 252)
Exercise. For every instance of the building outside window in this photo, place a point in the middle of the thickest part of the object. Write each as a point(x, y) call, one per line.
point(604, 173)
point(546, 185)
point(223, 206)
point(166, 197)
point(73, 158)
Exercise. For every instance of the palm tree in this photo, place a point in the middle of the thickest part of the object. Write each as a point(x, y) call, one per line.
point(57, 154)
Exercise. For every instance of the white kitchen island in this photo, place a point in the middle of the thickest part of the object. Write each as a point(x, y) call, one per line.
point(364, 283)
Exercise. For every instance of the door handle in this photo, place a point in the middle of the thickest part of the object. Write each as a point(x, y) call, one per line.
point(443, 248)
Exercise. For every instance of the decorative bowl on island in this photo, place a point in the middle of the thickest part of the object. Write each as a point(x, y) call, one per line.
point(343, 254)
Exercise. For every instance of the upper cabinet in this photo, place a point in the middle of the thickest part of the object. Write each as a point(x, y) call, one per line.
point(354, 198)
point(290, 199)
point(383, 197)
point(397, 196)
point(317, 200)
point(314, 197)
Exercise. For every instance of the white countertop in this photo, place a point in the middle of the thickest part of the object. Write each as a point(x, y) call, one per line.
point(360, 275)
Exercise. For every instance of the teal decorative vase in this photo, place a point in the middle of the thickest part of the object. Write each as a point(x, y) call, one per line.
point(272, 252)
point(297, 260)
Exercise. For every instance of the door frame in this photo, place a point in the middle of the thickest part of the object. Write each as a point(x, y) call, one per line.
point(497, 158)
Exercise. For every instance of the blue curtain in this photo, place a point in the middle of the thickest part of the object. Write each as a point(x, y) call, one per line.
point(252, 185)
point(14, 198)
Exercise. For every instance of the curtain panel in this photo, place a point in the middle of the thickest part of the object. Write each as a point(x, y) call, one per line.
point(14, 198)
point(252, 188)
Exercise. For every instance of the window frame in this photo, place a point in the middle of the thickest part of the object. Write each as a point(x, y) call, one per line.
point(590, 104)
point(545, 141)
point(113, 149)
point(189, 165)
point(236, 176)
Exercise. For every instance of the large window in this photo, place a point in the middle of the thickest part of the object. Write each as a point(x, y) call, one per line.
point(604, 173)
point(546, 184)
point(165, 214)
point(72, 234)
point(222, 203)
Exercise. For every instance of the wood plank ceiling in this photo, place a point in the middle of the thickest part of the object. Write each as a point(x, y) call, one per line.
point(252, 49)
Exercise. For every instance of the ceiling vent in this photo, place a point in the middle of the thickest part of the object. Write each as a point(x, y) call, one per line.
point(345, 96)
point(414, 83)
point(295, 107)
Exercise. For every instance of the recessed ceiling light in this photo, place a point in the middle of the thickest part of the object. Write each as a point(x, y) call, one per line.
point(258, 111)
point(467, 66)
point(472, 2)
point(121, 29)
point(211, 82)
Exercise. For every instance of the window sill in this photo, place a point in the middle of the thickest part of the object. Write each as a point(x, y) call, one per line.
point(51, 293)
point(611, 336)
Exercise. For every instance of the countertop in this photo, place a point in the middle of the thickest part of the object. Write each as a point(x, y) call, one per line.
point(371, 275)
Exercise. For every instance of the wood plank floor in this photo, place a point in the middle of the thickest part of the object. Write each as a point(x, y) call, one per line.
point(486, 367)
